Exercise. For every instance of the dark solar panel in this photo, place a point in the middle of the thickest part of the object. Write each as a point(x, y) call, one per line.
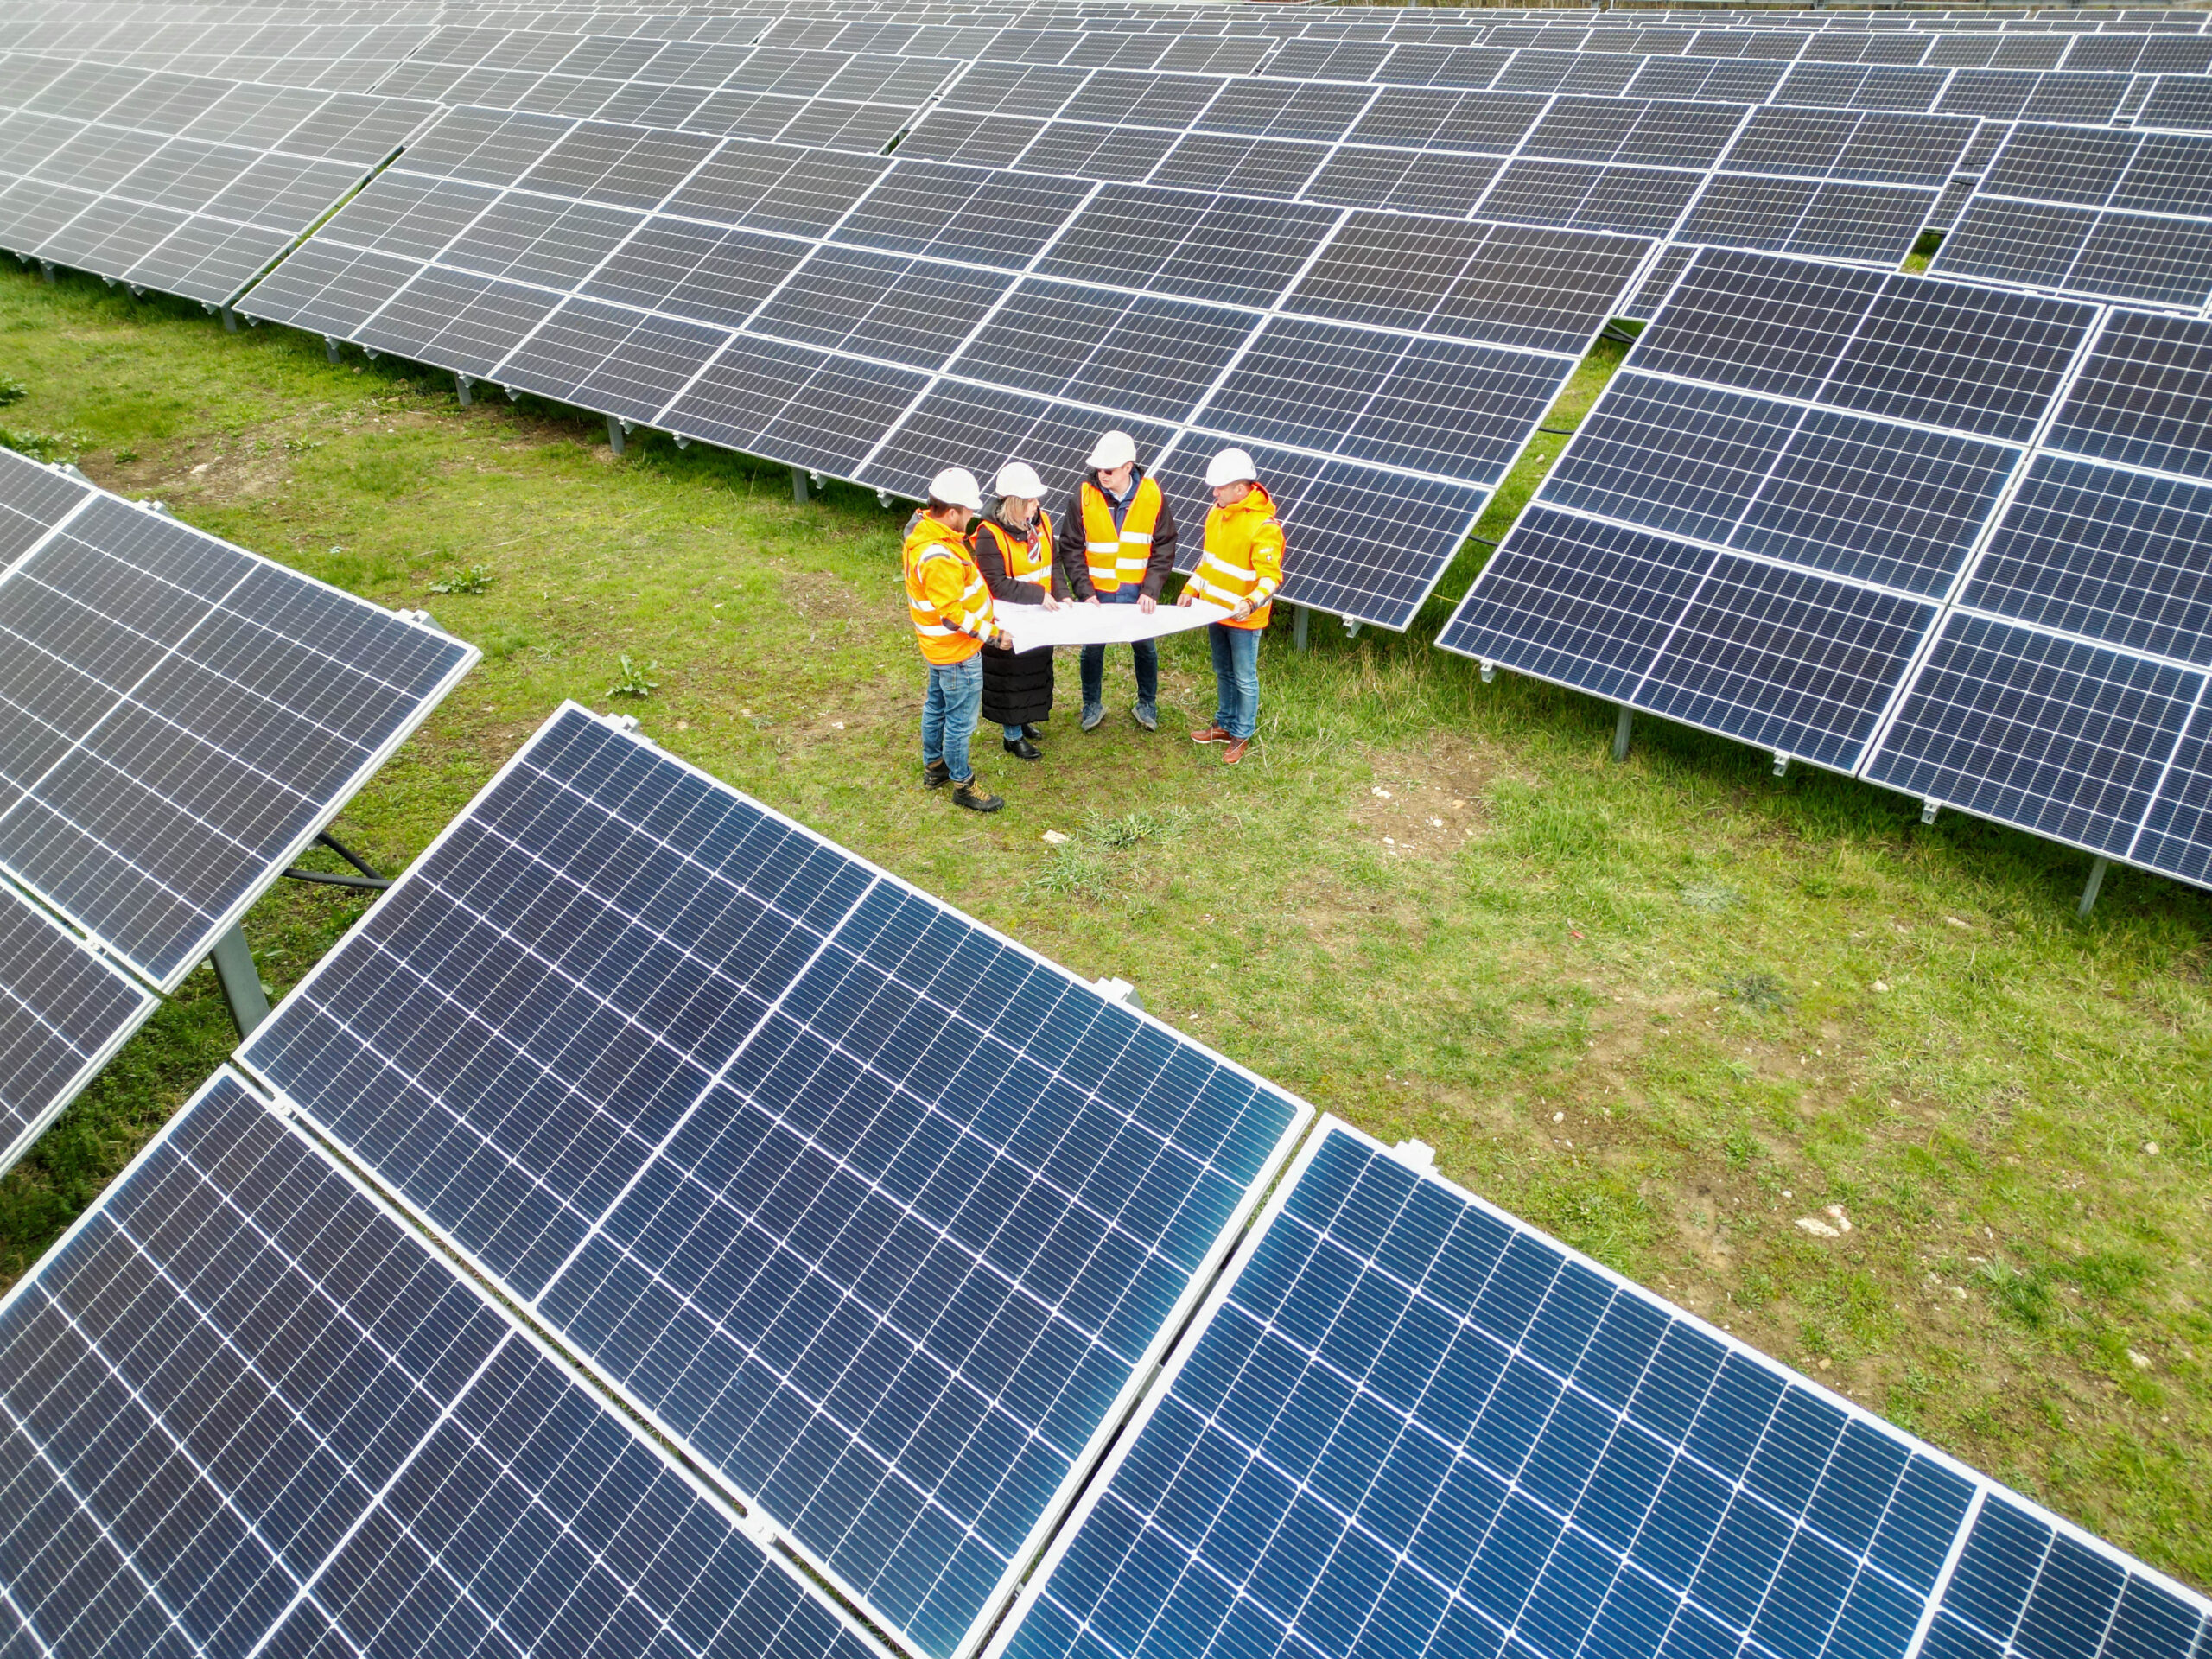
point(1408, 1423)
point(2143, 397)
point(63, 1012)
point(248, 1410)
point(739, 1118)
point(184, 718)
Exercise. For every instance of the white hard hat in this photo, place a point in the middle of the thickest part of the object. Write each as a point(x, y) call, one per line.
point(1019, 478)
point(1230, 466)
point(955, 488)
point(1113, 449)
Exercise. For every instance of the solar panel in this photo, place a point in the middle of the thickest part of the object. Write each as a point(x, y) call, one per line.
point(63, 1013)
point(193, 186)
point(1756, 528)
point(185, 718)
point(881, 1217)
point(1408, 1423)
point(247, 1409)
point(2114, 215)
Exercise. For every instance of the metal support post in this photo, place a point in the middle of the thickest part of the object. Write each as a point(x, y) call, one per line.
point(1299, 624)
point(514, 394)
point(1352, 627)
point(330, 347)
point(1621, 731)
point(1489, 672)
point(798, 485)
point(461, 382)
point(240, 980)
point(1781, 765)
point(2096, 880)
point(230, 321)
point(614, 433)
point(1929, 810)
point(46, 268)
point(883, 498)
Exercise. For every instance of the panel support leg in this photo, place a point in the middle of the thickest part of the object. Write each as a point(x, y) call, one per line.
point(1119, 990)
point(240, 980)
point(46, 268)
point(798, 485)
point(1299, 624)
point(1620, 732)
point(614, 433)
point(2090, 891)
point(461, 384)
point(230, 321)
point(330, 347)
point(1352, 627)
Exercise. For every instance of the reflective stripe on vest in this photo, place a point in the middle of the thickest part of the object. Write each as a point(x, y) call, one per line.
point(1113, 555)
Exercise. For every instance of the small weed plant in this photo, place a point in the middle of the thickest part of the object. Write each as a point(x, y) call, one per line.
point(476, 579)
point(632, 682)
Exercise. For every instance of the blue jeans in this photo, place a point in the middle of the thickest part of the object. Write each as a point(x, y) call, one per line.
point(1146, 652)
point(948, 714)
point(1236, 678)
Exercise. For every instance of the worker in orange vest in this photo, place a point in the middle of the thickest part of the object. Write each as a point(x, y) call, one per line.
point(1241, 569)
point(1129, 551)
point(951, 607)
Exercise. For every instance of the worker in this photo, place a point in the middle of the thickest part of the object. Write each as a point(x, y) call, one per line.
point(1013, 552)
point(1129, 548)
point(1241, 569)
point(951, 611)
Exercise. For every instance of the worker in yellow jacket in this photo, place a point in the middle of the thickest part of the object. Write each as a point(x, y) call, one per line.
point(951, 611)
point(1241, 569)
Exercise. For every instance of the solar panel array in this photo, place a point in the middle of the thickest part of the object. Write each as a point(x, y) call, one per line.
point(2120, 216)
point(876, 319)
point(1941, 537)
point(183, 717)
point(186, 184)
point(1408, 1423)
point(244, 1408)
point(879, 1216)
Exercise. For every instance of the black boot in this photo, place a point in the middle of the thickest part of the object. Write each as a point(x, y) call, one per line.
point(1022, 749)
point(1030, 729)
point(936, 774)
point(971, 795)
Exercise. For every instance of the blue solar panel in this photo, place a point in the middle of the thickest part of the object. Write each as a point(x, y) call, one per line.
point(1408, 1424)
point(883, 1218)
point(244, 1409)
point(1823, 451)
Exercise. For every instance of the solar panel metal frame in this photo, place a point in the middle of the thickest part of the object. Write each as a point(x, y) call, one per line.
point(1327, 1124)
point(1112, 1420)
point(41, 1120)
point(295, 1129)
point(468, 656)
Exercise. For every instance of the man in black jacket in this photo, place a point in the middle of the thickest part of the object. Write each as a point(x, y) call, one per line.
point(1117, 545)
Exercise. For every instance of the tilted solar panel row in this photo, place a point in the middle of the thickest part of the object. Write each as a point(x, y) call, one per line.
point(184, 184)
point(2122, 216)
point(1408, 1423)
point(183, 717)
point(879, 1216)
point(857, 316)
point(1949, 538)
point(244, 1408)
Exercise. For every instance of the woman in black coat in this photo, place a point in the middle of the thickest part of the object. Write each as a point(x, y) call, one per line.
point(1014, 551)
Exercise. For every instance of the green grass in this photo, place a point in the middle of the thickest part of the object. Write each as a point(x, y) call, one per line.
point(1665, 1008)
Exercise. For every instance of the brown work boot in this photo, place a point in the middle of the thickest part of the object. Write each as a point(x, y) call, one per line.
point(1235, 751)
point(973, 796)
point(1209, 734)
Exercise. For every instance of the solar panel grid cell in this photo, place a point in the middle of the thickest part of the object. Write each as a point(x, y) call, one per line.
point(701, 1001)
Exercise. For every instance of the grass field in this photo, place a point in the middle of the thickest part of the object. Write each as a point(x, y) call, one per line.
point(1667, 1009)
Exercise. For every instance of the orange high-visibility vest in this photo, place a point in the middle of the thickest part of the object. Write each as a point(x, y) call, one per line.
point(1244, 558)
point(1116, 556)
point(945, 596)
point(1023, 561)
